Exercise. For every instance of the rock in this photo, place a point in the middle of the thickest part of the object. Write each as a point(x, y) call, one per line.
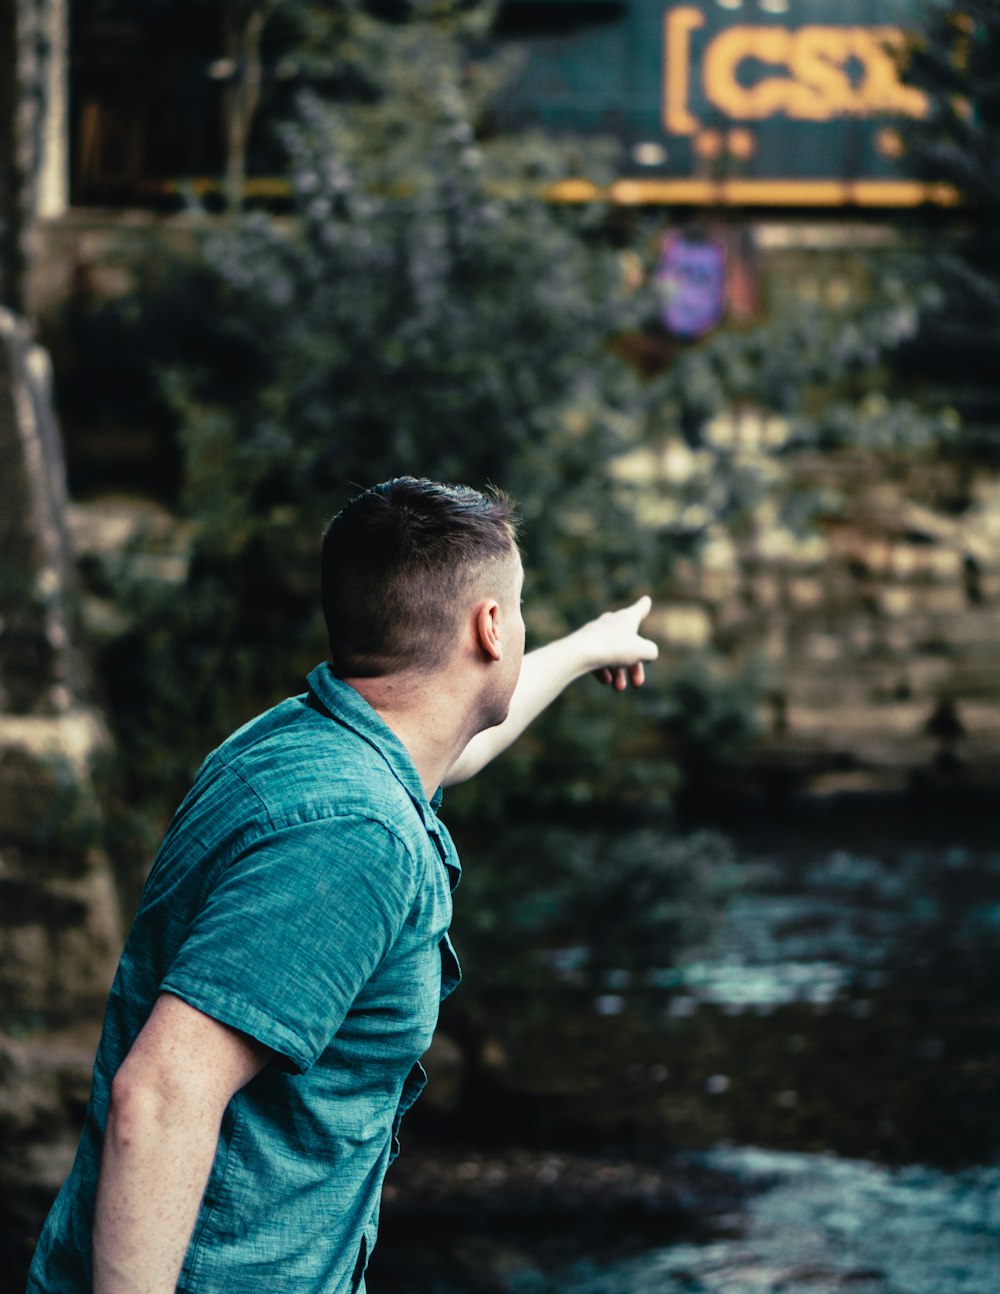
point(60, 932)
point(37, 673)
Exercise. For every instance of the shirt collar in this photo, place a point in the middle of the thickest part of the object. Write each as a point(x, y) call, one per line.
point(349, 707)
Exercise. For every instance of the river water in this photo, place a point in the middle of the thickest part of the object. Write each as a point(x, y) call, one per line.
point(836, 1058)
point(821, 1223)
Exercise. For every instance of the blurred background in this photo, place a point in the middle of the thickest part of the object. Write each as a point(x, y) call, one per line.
point(713, 289)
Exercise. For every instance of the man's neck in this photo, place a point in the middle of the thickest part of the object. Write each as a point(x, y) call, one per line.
point(426, 715)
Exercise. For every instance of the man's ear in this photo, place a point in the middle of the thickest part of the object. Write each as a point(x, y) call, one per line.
point(486, 622)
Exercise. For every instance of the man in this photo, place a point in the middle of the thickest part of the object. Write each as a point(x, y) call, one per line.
point(286, 964)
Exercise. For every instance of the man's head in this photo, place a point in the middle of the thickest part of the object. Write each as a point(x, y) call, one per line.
point(402, 563)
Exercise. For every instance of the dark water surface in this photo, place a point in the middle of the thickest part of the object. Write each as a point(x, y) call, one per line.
point(816, 1104)
point(821, 1223)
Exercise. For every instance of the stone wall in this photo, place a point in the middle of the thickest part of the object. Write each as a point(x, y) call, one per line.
point(59, 926)
point(877, 634)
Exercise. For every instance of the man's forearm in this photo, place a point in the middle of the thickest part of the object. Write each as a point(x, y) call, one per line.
point(154, 1167)
point(167, 1102)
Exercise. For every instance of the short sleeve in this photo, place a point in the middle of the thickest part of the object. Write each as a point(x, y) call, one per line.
point(292, 931)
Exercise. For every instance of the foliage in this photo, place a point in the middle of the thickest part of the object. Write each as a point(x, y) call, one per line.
point(420, 310)
point(958, 143)
point(569, 910)
point(814, 363)
point(423, 312)
point(705, 717)
point(954, 63)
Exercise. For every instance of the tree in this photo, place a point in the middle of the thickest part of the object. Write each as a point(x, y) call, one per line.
point(252, 49)
point(245, 23)
point(954, 62)
point(421, 311)
point(243, 27)
point(31, 33)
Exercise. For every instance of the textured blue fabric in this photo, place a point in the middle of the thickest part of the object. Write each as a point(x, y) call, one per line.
point(302, 894)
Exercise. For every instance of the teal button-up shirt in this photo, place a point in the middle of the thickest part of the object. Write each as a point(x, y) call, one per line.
point(302, 894)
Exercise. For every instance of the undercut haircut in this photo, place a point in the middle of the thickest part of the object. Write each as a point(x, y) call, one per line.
point(400, 565)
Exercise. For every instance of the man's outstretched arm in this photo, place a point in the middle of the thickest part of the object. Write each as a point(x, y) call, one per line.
point(609, 647)
point(167, 1102)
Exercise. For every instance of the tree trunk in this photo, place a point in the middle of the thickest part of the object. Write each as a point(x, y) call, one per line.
point(12, 178)
point(243, 28)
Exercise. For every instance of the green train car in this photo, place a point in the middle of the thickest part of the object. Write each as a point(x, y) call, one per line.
point(748, 102)
point(777, 103)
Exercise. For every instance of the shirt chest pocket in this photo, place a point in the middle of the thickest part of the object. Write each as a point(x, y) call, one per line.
point(400, 1001)
point(398, 1007)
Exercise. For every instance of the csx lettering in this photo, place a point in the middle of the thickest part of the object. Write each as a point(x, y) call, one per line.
point(752, 73)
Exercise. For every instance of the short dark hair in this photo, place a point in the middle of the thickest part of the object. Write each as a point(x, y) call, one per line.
point(398, 562)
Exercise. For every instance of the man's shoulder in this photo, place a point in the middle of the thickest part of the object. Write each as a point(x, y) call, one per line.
point(301, 765)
